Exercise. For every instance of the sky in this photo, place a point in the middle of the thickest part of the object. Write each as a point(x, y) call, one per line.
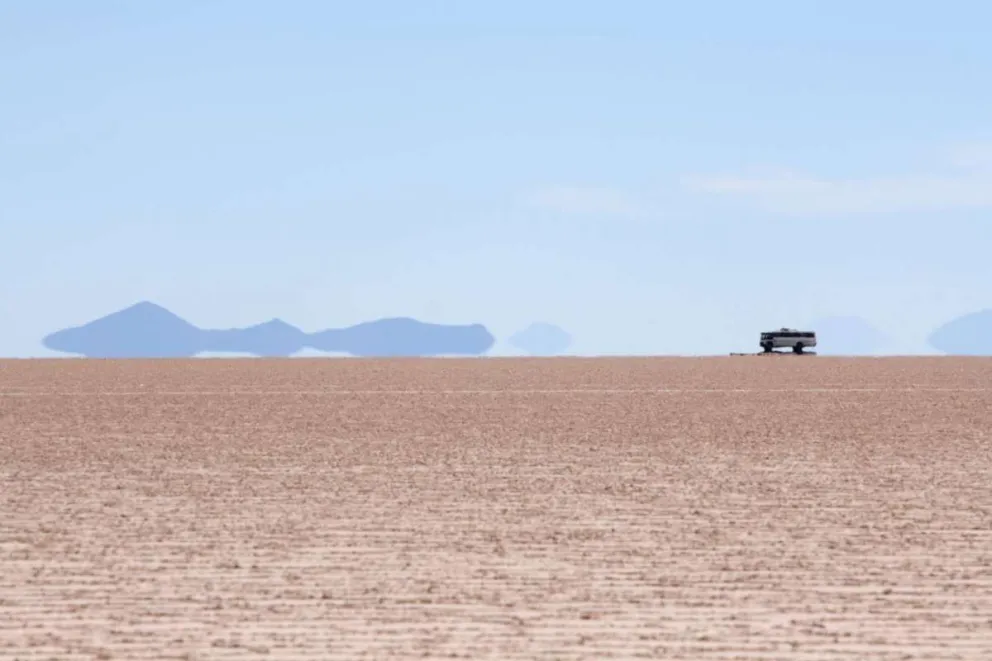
point(652, 177)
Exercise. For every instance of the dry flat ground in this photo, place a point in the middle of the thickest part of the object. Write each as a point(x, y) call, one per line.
point(697, 509)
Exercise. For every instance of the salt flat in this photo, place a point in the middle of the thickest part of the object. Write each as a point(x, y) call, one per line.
point(704, 508)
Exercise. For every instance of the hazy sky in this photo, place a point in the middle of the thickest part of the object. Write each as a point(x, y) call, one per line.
point(651, 176)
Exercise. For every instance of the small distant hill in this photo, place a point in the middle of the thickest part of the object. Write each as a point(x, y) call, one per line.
point(402, 336)
point(969, 335)
point(147, 330)
point(273, 338)
point(848, 336)
point(541, 339)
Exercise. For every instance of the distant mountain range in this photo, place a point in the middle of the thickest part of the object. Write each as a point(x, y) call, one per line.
point(970, 335)
point(541, 339)
point(147, 330)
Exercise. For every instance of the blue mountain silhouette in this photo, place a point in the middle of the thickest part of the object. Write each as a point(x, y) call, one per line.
point(541, 339)
point(272, 338)
point(969, 335)
point(147, 330)
point(402, 336)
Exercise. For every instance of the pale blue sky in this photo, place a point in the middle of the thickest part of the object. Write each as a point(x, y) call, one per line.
point(653, 177)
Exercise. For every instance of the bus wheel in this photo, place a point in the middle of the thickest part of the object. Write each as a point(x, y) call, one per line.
point(767, 347)
point(798, 348)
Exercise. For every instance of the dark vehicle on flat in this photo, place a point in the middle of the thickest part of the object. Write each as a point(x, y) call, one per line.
point(788, 338)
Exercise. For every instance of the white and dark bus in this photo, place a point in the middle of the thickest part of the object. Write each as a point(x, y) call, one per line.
point(788, 338)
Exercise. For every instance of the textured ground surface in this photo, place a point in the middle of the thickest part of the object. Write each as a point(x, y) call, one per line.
point(730, 508)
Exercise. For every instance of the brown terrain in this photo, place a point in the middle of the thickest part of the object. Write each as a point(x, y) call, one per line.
point(697, 509)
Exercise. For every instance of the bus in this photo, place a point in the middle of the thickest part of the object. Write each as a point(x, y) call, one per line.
point(788, 338)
